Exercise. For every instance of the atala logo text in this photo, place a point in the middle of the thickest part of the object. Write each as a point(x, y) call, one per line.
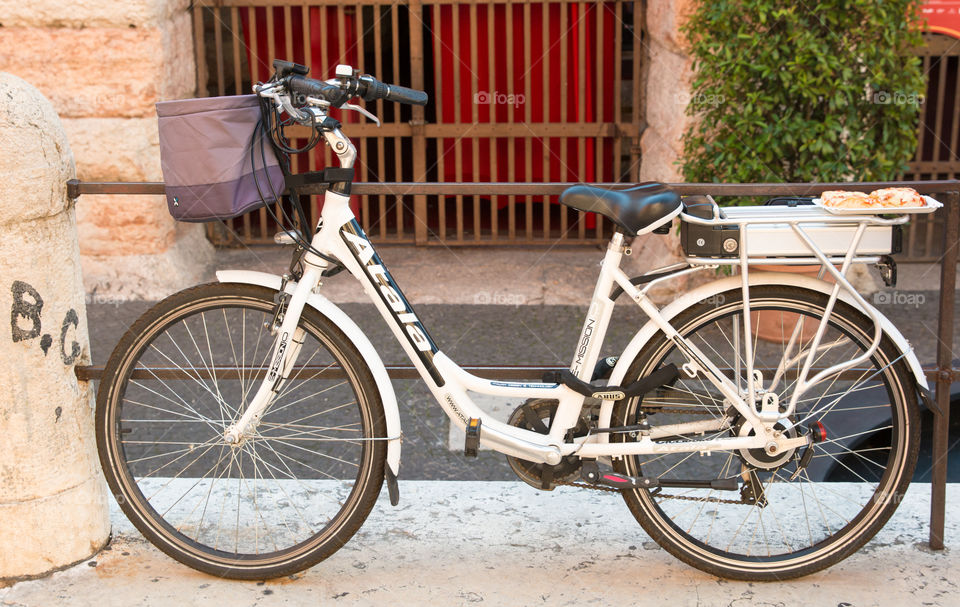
point(393, 299)
point(275, 367)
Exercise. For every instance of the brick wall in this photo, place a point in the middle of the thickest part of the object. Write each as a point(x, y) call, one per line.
point(104, 64)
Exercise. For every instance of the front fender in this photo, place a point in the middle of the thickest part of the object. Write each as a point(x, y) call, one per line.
point(324, 306)
point(756, 279)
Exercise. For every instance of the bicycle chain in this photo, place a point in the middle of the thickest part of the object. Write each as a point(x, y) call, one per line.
point(680, 411)
point(688, 498)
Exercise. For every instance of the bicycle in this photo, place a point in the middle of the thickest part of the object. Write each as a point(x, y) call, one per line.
point(246, 427)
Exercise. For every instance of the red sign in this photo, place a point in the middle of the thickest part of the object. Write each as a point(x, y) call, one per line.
point(942, 16)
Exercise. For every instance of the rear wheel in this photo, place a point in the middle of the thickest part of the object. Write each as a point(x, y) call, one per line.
point(787, 520)
point(287, 496)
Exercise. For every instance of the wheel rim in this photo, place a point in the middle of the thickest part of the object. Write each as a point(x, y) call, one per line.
point(279, 494)
point(825, 508)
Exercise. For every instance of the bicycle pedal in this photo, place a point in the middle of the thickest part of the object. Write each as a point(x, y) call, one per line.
point(471, 444)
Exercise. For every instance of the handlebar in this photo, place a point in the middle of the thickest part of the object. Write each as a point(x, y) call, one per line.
point(401, 94)
point(372, 89)
point(346, 87)
point(318, 89)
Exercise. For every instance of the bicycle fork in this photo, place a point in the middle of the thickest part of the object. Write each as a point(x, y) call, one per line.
point(289, 338)
point(286, 349)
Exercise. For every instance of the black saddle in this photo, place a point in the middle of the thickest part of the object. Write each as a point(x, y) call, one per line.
point(634, 209)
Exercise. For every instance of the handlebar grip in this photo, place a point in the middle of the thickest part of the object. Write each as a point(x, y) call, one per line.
point(318, 89)
point(401, 94)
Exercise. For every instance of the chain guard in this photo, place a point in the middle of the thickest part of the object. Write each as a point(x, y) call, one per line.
point(533, 473)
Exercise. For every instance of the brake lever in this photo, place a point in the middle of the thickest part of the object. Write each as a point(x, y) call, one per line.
point(362, 110)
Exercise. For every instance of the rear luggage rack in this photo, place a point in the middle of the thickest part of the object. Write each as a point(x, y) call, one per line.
point(710, 235)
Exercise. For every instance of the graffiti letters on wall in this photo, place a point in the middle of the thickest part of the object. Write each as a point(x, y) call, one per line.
point(26, 323)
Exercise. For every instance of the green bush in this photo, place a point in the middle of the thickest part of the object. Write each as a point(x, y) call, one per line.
point(803, 91)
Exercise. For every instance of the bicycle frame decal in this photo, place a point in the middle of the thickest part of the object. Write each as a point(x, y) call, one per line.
point(522, 385)
point(392, 296)
point(278, 359)
point(453, 407)
point(585, 337)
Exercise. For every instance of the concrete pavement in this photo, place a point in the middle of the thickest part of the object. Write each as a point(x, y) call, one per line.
point(503, 543)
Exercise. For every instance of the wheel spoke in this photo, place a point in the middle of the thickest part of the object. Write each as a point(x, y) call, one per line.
point(792, 513)
point(290, 490)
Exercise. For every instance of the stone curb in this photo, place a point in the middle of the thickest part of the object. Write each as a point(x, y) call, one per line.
point(503, 543)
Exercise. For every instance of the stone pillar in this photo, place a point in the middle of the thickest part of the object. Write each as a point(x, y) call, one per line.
point(669, 73)
point(667, 93)
point(104, 65)
point(53, 501)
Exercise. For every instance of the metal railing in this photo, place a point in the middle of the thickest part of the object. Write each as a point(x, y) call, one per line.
point(537, 90)
point(446, 47)
point(938, 134)
point(943, 373)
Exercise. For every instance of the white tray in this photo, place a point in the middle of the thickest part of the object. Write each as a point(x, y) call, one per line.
point(931, 206)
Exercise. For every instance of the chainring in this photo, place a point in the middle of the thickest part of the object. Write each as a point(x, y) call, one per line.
point(532, 473)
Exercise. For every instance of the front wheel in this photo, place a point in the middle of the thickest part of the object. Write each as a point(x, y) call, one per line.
point(286, 496)
point(786, 520)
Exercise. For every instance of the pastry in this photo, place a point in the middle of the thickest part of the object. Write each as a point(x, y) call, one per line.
point(897, 197)
point(839, 199)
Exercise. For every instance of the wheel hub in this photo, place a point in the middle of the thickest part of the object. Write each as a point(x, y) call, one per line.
point(770, 456)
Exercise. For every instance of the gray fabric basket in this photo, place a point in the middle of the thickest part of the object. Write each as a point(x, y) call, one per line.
point(206, 160)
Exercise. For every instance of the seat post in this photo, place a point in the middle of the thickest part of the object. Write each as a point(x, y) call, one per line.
point(616, 241)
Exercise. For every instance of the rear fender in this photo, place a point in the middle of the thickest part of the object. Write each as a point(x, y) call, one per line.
point(646, 333)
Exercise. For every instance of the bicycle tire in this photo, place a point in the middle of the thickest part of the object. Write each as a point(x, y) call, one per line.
point(311, 486)
point(661, 512)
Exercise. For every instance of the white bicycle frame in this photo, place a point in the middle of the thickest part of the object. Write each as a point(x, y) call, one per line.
point(340, 237)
